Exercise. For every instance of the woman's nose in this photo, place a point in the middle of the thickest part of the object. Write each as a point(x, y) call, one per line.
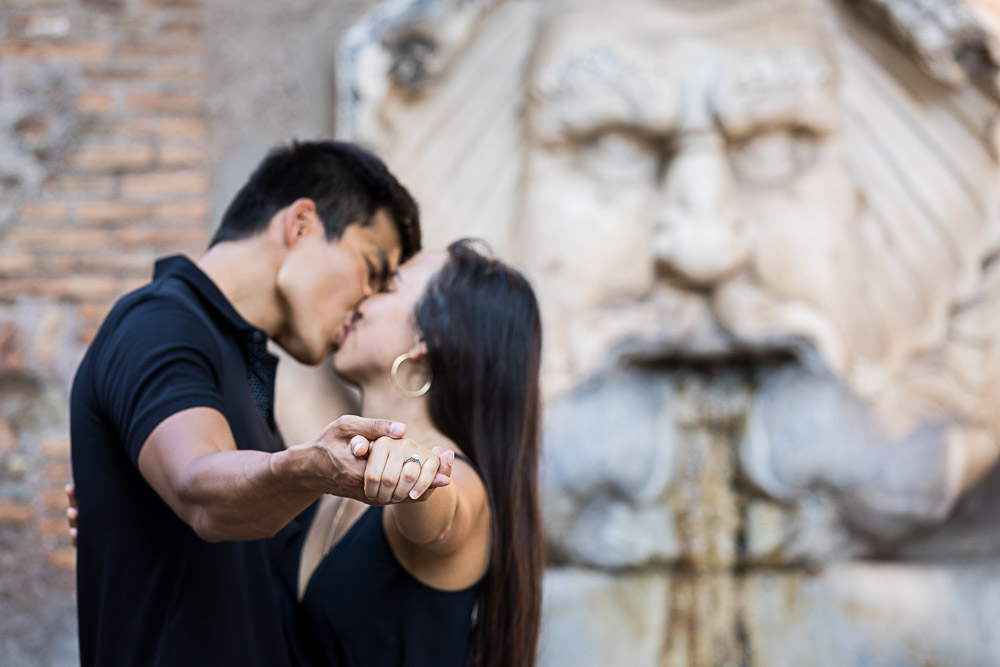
point(697, 229)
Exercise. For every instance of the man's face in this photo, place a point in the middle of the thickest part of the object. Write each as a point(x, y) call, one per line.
point(322, 282)
point(671, 148)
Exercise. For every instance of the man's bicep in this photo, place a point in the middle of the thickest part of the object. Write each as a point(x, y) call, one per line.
point(174, 444)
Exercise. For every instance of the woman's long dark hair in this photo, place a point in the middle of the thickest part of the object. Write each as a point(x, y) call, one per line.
point(481, 323)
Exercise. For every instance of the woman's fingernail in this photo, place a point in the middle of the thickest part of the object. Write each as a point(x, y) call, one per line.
point(451, 458)
point(414, 494)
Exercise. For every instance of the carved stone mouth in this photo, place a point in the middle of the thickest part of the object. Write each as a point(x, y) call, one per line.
point(765, 430)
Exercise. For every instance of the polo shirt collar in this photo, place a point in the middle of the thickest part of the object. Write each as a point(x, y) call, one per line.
point(179, 266)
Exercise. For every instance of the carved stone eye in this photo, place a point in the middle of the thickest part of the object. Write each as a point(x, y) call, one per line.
point(774, 157)
point(619, 158)
point(410, 57)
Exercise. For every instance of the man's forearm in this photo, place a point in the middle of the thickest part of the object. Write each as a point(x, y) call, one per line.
point(224, 493)
point(243, 495)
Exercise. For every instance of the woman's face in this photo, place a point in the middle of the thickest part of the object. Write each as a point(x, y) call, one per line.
point(384, 326)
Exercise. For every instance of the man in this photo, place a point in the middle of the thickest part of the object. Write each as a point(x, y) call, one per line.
point(179, 468)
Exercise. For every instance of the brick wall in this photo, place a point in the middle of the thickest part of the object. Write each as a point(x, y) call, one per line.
point(103, 141)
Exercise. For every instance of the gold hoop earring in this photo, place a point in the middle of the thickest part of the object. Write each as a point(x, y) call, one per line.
point(395, 380)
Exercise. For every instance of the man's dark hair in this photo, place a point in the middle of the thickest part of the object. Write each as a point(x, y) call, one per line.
point(348, 184)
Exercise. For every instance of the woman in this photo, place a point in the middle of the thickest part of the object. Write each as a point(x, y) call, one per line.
point(452, 349)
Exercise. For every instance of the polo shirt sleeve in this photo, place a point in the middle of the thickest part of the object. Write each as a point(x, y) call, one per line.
point(162, 359)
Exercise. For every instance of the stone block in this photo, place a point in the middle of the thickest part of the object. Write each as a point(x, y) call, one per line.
point(903, 615)
point(593, 619)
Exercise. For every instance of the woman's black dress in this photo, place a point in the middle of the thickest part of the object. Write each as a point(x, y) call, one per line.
point(362, 609)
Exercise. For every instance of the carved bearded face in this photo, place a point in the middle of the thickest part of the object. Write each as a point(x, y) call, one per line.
point(709, 181)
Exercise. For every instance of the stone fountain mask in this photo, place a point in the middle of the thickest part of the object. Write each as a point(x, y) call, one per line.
point(700, 183)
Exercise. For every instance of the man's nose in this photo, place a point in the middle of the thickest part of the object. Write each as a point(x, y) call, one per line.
point(697, 230)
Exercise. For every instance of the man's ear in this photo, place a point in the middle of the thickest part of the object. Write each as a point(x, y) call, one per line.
point(300, 220)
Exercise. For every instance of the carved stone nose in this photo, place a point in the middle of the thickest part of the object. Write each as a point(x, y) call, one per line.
point(697, 232)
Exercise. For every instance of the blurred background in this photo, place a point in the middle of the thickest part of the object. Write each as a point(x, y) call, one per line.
point(763, 234)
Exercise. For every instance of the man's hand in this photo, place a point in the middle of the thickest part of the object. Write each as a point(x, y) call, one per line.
point(328, 464)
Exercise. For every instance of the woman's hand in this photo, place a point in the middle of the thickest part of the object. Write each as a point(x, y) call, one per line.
point(392, 476)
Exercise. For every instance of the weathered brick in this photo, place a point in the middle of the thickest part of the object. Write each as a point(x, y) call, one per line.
point(11, 348)
point(31, 4)
point(56, 447)
point(91, 186)
point(129, 263)
point(44, 348)
point(57, 472)
point(105, 5)
point(114, 158)
point(12, 262)
point(8, 439)
point(54, 500)
point(195, 211)
point(118, 129)
point(70, 288)
point(53, 526)
point(165, 102)
point(56, 52)
point(93, 311)
point(164, 183)
point(113, 72)
point(163, 47)
point(60, 237)
point(58, 262)
point(182, 28)
point(172, 4)
point(15, 513)
point(174, 74)
point(44, 212)
point(62, 557)
point(86, 334)
point(182, 156)
point(183, 127)
point(32, 129)
point(161, 237)
point(38, 25)
point(94, 102)
point(112, 212)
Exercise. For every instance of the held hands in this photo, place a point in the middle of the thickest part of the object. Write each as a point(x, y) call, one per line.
point(334, 463)
point(401, 470)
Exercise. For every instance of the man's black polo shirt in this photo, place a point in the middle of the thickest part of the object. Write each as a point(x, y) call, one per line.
point(149, 590)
